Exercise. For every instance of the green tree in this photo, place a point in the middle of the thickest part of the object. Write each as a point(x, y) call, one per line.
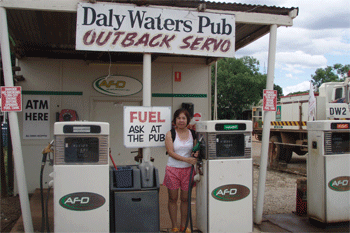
point(240, 85)
point(335, 73)
point(299, 92)
point(279, 91)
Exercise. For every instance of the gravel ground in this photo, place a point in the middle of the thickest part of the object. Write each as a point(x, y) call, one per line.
point(280, 188)
point(280, 192)
point(10, 212)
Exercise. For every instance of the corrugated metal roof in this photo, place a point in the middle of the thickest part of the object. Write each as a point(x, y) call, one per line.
point(36, 33)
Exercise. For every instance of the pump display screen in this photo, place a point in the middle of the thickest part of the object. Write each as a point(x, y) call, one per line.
point(81, 150)
point(230, 145)
point(340, 143)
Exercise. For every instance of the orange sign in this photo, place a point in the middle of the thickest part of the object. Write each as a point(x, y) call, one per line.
point(177, 76)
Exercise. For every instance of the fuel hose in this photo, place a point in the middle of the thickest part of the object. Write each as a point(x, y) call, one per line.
point(45, 152)
point(189, 211)
point(43, 162)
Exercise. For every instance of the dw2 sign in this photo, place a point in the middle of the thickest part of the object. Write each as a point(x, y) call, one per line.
point(116, 85)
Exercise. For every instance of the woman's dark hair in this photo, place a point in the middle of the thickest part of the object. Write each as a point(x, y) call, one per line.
point(178, 112)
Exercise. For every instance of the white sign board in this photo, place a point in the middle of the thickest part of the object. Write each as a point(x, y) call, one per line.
point(146, 126)
point(122, 27)
point(36, 117)
point(270, 100)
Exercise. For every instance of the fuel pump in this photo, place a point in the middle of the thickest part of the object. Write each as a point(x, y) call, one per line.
point(224, 194)
point(81, 177)
point(328, 171)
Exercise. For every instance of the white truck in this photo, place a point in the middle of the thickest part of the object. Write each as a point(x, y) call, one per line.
point(288, 130)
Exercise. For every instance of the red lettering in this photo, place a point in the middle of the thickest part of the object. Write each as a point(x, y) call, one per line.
point(151, 44)
point(99, 42)
point(117, 34)
point(195, 43)
point(166, 41)
point(160, 120)
point(227, 47)
point(143, 40)
point(217, 45)
point(144, 117)
point(187, 44)
point(152, 117)
point(91, 33)
point(129, 39)
point(132, 116)
point(208, 42)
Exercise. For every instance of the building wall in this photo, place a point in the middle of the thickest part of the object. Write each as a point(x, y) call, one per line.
point(61, 80)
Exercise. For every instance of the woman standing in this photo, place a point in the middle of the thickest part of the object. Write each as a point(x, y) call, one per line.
point(178, 169)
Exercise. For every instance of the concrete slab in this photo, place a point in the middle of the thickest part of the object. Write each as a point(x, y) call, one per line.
point(294, 223)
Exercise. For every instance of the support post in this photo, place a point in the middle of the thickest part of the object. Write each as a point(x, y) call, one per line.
point(147, 94)
point(266, 129)
point(13, 120)
point(216, 92)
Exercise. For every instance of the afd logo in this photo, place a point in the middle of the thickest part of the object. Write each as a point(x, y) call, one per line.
point(341, 183)
point(230, 192)
point(117, 85)
point(82, 201)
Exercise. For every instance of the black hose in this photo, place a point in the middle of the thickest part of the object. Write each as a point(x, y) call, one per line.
point(189, 211)
point(47, 210)
point(43, 162)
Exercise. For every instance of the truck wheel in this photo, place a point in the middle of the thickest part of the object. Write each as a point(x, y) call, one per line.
point(276, 149)
point(288, 153)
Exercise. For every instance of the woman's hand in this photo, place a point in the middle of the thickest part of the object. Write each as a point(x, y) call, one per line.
point(191, 160)
point(195, 154)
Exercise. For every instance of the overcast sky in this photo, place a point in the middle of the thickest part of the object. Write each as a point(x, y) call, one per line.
point(320, 37)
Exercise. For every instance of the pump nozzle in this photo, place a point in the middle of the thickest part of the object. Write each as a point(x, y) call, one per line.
point(197, 146)
point(48, 148)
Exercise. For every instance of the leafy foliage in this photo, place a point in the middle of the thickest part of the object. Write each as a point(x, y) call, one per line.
point(299, 92)
point(239, 85)
point(335, 73)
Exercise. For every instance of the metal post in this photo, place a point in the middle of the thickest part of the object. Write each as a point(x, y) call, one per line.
point(216, 92)
point(266, 129)
point(13, 119)
point(147, 94)
point(2, 166)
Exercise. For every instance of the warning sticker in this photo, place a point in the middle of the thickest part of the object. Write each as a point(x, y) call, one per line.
point(11, 99)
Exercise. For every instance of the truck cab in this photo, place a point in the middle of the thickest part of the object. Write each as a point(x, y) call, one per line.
point(336, 97)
